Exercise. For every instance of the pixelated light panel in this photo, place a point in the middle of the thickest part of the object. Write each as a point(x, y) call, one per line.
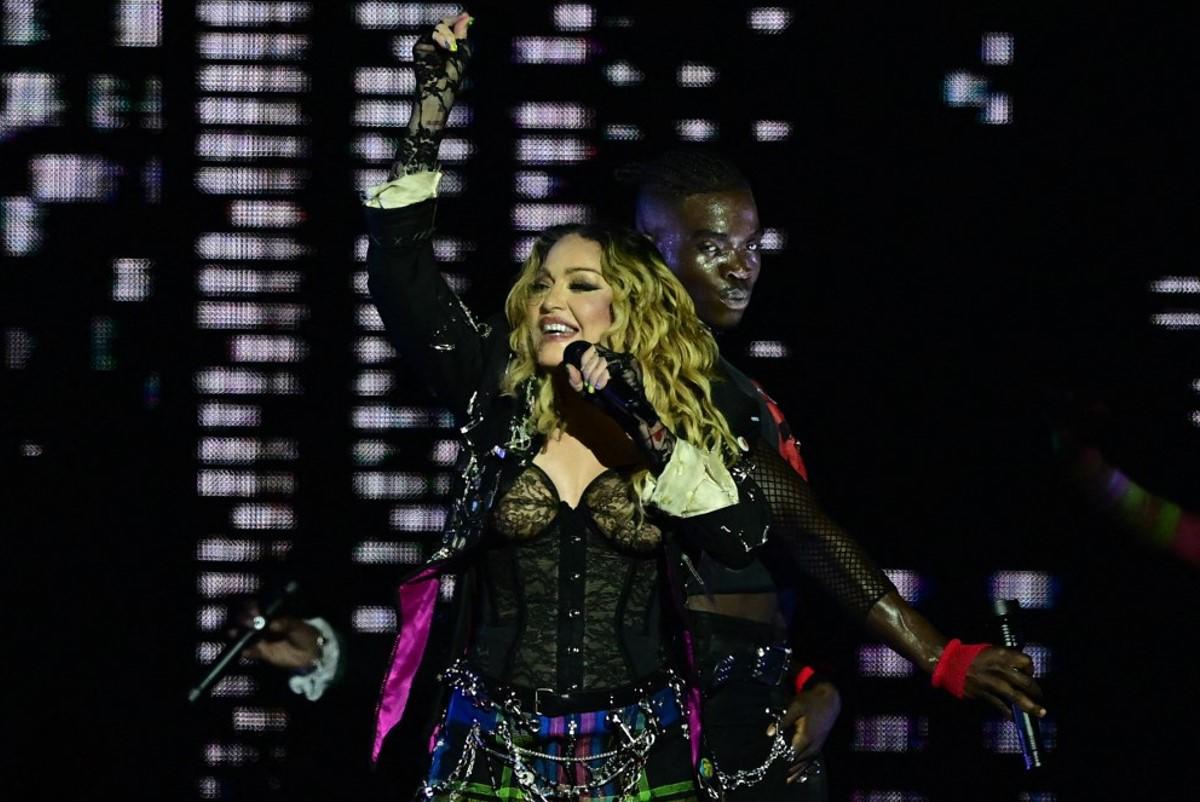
point(251, 167)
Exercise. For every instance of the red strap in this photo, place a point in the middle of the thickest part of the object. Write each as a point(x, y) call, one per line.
point(951, 670)
point(787, 446)
point(803, 677)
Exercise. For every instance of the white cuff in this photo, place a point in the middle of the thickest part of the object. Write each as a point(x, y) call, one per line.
point(403, 191)
point(313, 683)
point(693, 482)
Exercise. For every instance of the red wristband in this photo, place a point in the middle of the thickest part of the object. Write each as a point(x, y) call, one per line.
point(803, 677)
point(951, 670)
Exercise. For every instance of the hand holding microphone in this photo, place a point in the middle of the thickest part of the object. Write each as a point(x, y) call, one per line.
point(613, 382)
point(260, 624)
point(1028, 735)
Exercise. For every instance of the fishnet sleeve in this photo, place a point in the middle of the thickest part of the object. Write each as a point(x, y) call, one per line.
point(822, 550)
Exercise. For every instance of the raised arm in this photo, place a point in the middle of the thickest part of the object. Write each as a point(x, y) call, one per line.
point(424, 318)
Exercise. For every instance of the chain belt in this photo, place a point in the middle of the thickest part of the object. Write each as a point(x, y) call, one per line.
point(622, 765)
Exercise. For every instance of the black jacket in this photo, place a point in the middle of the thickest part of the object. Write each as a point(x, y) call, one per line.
point(462, 360)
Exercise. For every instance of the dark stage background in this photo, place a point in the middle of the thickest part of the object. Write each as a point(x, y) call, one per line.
point(973, 209)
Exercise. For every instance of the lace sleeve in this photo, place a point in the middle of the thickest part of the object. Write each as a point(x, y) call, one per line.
point(822, 550)
point(439, 75)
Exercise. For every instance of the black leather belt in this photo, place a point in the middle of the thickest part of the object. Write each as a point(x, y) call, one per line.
point(768, 665)
point(551, 702)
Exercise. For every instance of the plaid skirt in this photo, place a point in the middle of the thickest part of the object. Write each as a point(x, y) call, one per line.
point(483, 751)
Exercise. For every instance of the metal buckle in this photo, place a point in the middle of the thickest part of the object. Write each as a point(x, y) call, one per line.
point(537, 699)
point(773, 663)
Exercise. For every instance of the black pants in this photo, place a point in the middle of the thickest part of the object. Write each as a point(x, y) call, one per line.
point(735, 727)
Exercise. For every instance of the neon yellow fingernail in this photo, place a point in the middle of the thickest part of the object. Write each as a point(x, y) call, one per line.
point(453, 45)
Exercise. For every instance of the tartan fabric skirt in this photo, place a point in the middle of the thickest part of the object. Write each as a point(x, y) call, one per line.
point(474, 749)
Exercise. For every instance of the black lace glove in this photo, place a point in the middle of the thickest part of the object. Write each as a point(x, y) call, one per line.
point(627, 405)
point(439, 72)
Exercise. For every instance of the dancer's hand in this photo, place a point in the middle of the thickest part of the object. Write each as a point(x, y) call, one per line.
point(810, 716)
point(289, 643)
point(1001, 677)
point(996, 675)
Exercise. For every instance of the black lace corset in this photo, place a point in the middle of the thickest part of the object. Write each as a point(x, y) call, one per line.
point(569, 598)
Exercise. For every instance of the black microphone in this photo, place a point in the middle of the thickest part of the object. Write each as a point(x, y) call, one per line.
point(619, 399)
point(258, 627)
point(1006, 611)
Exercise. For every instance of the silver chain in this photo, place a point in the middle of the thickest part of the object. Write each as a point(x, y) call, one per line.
point(780, 748)
point(623, 764)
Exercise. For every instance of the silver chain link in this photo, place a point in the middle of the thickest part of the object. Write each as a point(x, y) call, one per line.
point(780, 748)
point(623, 764)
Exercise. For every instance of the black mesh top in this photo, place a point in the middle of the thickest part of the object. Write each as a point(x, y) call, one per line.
point(569, 597)
point(822, 551)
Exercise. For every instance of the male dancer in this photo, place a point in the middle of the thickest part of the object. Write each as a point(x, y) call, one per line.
point(700, 211)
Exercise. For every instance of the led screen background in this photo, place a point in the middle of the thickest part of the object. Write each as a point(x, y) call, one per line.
point(967, 210)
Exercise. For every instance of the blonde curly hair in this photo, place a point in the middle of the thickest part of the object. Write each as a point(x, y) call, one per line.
point(654, 319)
